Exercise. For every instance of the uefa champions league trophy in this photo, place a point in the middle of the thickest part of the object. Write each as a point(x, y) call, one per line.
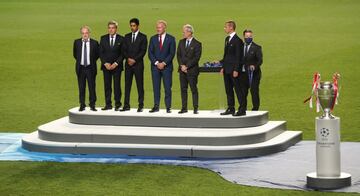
point(328, 173)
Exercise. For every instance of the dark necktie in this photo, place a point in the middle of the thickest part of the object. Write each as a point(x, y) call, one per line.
point(112, 41)
point(133, 38)
point(227, 40)
point(85, 53)
point(160, 42)
point(187, 43)
point(246, 49)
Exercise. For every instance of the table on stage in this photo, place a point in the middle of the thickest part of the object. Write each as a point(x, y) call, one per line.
point(221, 90)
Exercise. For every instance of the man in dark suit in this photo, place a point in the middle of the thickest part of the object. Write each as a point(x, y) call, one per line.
point(231, 62)
point(188, 56)
point(112, 64)
point(253, 59)
point(86, 53)
point(135, 45)
point(161, 53)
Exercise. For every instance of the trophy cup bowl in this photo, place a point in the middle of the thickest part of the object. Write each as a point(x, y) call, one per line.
point(326, 96)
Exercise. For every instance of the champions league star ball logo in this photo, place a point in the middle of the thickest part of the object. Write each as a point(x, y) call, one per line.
point(324, 132)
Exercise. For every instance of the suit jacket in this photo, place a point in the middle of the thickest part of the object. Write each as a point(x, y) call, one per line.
point(166, 54)
point(189, 56)
point(233, 54)
point(110, 54)
point(136, 50)
point(253, 57)
point(94, 54)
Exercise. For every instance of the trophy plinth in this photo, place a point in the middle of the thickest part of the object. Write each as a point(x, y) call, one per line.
point(328, 173)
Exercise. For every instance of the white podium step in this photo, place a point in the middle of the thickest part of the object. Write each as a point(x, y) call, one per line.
point(205, 118)
point(279, 143)
point(62, 131)
point(203, 135)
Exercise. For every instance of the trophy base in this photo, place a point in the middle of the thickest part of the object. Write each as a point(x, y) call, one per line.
point(316, 182)
point(327, 115)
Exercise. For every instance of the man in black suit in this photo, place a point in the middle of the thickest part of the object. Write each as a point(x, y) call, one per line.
point(188, 56)
point(252, 62)
point(134, 49)
point(231, 62)
point(112, 64)
point(86, 53)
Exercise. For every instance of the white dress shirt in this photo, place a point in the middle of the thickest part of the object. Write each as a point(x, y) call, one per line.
point(114, 37)
point(162, 42)
point(132, 35)
point(231, 35)
point(87, 52)
point(162, 38)
point(188, 40)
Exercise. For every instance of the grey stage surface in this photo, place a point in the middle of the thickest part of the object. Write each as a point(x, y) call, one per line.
point(284, 170)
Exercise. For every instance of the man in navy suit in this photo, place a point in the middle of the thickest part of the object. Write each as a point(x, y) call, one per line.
point(86, 53)
point(161, 53)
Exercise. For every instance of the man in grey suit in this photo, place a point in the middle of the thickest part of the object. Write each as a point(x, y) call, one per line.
point(188, 56)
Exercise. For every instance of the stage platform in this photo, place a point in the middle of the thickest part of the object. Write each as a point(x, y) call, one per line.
point(205, 118)
point(203, 135)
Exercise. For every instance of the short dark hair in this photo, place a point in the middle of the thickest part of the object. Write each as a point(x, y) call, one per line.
point(231, 23)
point(247, 31)
point(135, 20)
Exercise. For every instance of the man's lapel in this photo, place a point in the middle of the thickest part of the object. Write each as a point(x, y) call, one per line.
point(248, 51)
point(136, 38)
point(189, 47)
point(157, 46)
point(165, 41)
point(108, 40)
point(80, 42)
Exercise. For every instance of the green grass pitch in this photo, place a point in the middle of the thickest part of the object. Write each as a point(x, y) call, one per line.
point(38, 82)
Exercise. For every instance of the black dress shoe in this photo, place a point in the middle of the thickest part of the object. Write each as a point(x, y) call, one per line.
point(125, 109)
point(196, 111)
point(182, 111)
point(140, 110)
point(240, 113)
point(81, 108)
point(154, 109)
point(168, 110)
point(117, 108)
point(228, 111)
point(108, 107)
point(92, 108)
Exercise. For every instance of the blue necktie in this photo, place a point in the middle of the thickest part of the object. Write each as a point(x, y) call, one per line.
point(246, 49)
point(187, 43)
